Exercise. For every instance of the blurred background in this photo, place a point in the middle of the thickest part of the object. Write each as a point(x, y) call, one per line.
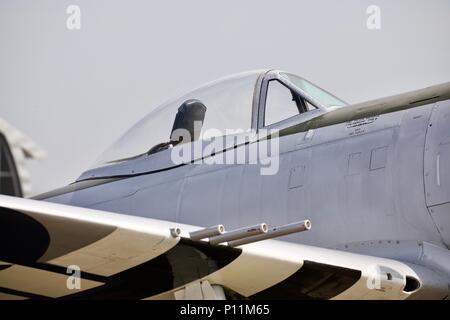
point(74, 92)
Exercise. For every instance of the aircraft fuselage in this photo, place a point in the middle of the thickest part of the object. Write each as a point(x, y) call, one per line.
point(379, 178)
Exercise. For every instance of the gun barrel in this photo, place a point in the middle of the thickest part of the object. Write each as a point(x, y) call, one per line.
point(273, 233)
point(175, 232)
point(207, 232)
point(239, 233)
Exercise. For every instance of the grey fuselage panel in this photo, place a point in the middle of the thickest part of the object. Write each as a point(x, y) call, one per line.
point(383, 176)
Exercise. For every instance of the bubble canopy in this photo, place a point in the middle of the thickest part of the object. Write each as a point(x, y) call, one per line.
point(229, 106)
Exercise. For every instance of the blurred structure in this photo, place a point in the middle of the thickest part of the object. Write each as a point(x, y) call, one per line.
point(15, 149)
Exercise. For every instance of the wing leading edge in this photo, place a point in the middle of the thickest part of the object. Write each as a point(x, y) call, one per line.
point(128, 257)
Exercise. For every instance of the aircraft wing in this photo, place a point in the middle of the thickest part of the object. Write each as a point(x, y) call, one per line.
point(119, 256)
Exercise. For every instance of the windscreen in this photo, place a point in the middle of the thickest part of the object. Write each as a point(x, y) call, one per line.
point(320, 95)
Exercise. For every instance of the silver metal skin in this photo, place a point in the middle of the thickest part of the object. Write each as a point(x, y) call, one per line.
point(240, 233)
point(274, 233)
point(373, 177)
point(207, 232)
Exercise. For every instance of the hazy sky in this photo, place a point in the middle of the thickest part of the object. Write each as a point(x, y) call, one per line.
point(74, 92)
